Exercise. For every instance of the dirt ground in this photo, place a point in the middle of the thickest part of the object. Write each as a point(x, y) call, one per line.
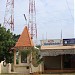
point(41, 74)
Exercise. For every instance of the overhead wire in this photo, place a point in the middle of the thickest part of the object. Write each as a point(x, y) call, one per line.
point(69, 9)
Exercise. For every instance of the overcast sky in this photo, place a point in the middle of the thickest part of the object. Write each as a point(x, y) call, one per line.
point(52, 16)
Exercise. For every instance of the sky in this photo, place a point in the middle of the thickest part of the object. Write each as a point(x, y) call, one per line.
point(52, 16)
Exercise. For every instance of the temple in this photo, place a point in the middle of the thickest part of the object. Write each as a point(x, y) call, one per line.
point(21, 60)
point(24, 58)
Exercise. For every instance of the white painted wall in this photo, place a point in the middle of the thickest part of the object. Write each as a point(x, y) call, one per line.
point(0, 67)
point(6, 69)
point(36, 69)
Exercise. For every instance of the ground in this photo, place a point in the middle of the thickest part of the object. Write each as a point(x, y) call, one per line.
point(42, 74)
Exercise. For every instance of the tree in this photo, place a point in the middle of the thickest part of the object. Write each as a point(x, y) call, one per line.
point(15, 37)
point(36, 57)
point(6, 43)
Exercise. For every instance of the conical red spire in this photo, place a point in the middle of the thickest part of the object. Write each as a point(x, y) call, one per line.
point(24, 39)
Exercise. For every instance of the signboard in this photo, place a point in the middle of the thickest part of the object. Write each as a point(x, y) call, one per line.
point(69, 41)
point(51, 42)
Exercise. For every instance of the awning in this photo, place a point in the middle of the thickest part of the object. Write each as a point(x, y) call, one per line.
point(57, 52)
point(57, 47)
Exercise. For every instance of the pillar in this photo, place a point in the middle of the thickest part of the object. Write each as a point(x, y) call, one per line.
point(19, 57)
point(14, 57)
point(61, 62)
point(0, 67)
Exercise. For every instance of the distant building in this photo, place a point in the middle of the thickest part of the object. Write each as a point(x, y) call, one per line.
point(58, 55)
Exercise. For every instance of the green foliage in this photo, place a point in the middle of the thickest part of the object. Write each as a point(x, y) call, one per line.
point(15, 37)
point(39, 61)
point(26, 52)
point(7, 41)
point(38, 46)
point(36, 60)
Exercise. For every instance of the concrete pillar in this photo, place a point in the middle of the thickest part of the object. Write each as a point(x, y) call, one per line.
point(41, 67)
point(19, 57)
point(61, 62)
point(14, 57)
point(0, 67)
point(9, 68)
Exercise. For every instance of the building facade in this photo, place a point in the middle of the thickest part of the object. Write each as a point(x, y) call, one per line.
point(58, 55)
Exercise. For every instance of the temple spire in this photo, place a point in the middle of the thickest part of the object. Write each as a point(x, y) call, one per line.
point(24, 39)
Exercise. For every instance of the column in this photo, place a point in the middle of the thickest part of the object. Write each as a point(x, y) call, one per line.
point(61, 62)
point(19, 57)
point(14, 57)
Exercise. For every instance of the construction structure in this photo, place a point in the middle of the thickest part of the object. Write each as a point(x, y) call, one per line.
point(9, 15)
point(32, 19)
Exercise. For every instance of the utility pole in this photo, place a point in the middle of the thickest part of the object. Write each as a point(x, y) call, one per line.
point(61, 34)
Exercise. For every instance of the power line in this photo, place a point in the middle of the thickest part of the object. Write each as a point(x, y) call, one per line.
point(69, 9)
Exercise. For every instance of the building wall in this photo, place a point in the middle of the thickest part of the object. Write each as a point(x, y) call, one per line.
point(26, 67)
point(0, 67)
point(52, 62)
point(21, 69)
point(39, 68)
point(5, 69)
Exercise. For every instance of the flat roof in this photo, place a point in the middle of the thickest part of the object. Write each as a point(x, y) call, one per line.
point(57, 47)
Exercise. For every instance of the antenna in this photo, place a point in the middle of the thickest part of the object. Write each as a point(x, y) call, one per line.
point(46, 35)
point(32, 20)
point(25, 18)
point(9, 15)
point(61, 33)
